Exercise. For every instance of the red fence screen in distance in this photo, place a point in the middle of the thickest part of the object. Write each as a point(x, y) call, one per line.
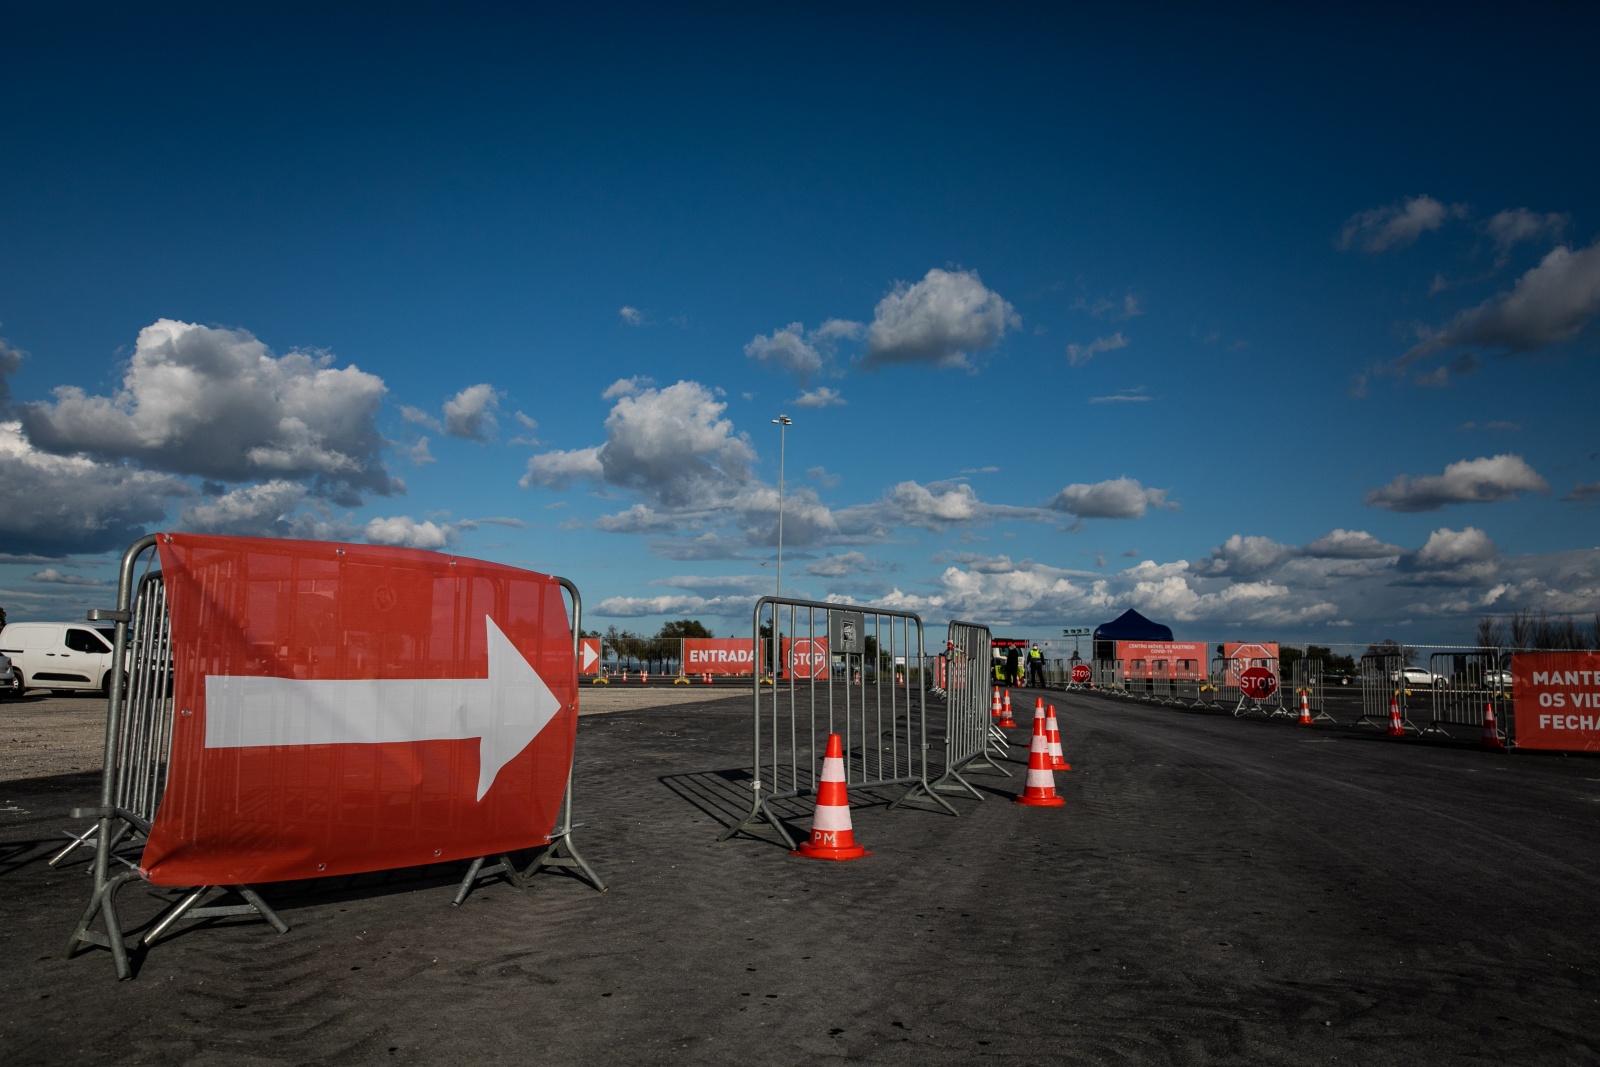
point(347, 708)
point(1242, 655)
point(1555, 697)
point(718, 655)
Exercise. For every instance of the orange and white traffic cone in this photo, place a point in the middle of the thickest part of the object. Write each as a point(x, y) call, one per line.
point(1006, 720)
point(1305, 709)
point(708, 677)
point(832, 836)
point(1040, 791)
point(1052, 731)
point(994, 709)
point(1396, 727)
point(1491, 732)
point(624, 675)
point(644, 677)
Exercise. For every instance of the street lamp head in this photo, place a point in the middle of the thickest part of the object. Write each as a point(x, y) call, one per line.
point(783, 420)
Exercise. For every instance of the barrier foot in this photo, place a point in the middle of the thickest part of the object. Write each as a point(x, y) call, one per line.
point(78, 840)
point(1323, 716)
point(922, 788)
point(984, 760)
point(104, 902)
point(550, 856)
point(253, 905)
point(956, 784)
point(504, 868)
point(759, 813)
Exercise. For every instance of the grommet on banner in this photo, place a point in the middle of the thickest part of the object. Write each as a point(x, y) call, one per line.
point(832, 836)
point(1040, 792)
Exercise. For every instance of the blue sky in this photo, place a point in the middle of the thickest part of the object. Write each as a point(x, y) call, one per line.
point(1270, 325)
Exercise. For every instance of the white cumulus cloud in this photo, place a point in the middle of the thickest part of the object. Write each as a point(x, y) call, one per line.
point(406, 532)
point(54, 505)
point(942, 320)
point(1078, 355)
point(217, 403)
point(1484, 480)
point(1396, 225)
point(820, 397)
point(470, 413)
point(1550, 304)
point(1116, 498)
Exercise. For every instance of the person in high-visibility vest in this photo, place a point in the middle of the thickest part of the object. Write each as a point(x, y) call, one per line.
point(1035, 666)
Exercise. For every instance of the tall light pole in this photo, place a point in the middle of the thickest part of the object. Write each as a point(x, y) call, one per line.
point(782, 422)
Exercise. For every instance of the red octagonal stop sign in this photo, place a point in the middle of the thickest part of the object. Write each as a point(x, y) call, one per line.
point(1257, 683)
point(1080, 673)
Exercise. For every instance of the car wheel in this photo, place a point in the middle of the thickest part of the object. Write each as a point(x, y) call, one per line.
point(105, 685)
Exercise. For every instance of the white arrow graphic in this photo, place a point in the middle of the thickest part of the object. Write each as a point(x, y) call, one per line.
point(505, 711)
point(587, 656)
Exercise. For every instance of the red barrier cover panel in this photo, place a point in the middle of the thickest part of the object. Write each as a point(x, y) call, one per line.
point(347, 708)
point(1555, 697)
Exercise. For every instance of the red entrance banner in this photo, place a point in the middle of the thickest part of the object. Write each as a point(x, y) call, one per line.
point(347, 708)
point(718, 655)
point(1555, 697)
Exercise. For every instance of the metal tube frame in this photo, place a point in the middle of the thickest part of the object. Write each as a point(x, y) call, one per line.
point(904, 761)
point(559, 852)
point(133, 769)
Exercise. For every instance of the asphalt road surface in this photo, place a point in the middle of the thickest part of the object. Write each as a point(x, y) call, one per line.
point(1214, 891)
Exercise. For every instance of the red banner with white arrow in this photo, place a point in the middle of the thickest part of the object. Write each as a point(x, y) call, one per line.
point(347, 708)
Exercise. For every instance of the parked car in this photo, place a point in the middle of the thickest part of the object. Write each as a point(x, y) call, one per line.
point(10, 684)
point(1501, 678)
point(1416, 678)
point(63, 656)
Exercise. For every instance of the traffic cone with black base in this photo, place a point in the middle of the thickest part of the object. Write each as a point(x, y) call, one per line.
point(1006, 720)
point(1052, 731)
point(1305, 709)
point(1491, 731)
point(1040, 791)
point(1397, 728)
point(832, 837)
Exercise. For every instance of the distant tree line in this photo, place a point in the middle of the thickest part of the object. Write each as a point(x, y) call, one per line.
point(1527, 630)
point(657, 654)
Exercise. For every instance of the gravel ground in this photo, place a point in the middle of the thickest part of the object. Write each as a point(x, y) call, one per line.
point(1215, 891)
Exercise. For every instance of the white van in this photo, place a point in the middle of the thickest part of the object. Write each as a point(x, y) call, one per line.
point(58, 655)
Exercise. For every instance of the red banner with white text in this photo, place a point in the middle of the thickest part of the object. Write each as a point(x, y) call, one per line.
point(719, 655)
point(1555, 697)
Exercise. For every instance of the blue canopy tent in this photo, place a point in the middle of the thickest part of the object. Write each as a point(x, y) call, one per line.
point(1129, 626)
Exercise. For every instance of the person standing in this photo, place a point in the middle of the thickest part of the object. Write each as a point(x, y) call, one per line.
point(1035, 666)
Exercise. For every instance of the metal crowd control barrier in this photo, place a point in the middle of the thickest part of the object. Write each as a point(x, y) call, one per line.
point(1270, 706)
point(1307, 679)
point(826, 680)
point(1383, 683)
point(1467, 683)
point(138, 743)
point(1108, 676)
point(139, 716)
point(560, 852)
point(968, 739)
